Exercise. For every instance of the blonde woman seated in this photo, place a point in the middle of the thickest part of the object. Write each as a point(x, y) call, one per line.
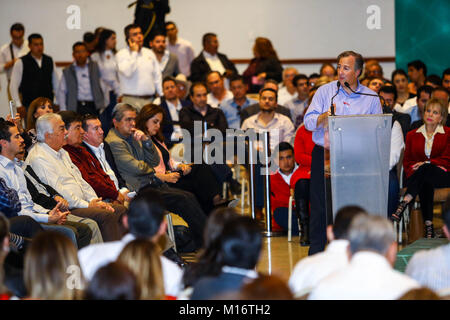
point(52, 270)
point(142, 257)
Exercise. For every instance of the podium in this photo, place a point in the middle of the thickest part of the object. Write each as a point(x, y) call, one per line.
point(357, 150)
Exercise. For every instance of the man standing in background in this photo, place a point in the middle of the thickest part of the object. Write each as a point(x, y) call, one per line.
point(10, 52)
point(182, 48)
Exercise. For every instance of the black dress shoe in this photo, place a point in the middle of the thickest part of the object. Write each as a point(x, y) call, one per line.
point(172, 255)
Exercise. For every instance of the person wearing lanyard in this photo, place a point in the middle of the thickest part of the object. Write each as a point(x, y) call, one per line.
point(10, 52)
point(350, 66)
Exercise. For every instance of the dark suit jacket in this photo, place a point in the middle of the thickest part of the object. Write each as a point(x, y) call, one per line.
point(110, 159)
point(199, 67)
point(167, 123)
point(214, 117)
point(254, 109)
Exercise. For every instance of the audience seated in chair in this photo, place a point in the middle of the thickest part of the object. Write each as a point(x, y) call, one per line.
point(136, 157)
point(309, 271)
point(142, 257)
point(239, 250)
point(53, 166)
point(144, 220)
point(113, 281)
point(369, 275)
point(426, 162)
point(208, 262)
point(47, 263)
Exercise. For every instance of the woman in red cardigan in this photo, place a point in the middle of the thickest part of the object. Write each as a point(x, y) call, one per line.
point(427, 162)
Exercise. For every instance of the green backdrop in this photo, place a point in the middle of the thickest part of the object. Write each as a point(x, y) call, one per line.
point(422, 32)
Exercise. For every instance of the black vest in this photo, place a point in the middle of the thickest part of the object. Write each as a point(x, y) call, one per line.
point(36, 82)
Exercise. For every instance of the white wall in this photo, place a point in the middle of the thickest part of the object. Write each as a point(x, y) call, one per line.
point(297, 28)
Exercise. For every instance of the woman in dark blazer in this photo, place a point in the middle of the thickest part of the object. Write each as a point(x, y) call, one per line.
point(427, 162)
point(265, 65)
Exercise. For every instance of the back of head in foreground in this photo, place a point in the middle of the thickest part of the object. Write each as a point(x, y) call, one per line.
point(142, 257)
point(241, 243)
point(342, 221)
point(49, 262)
point(146, 214)
point(374, 234)
point(114, 281)
point(207, 263)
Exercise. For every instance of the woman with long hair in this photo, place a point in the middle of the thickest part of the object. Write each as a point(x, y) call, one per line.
point(142, 257)
point(104, 55)
point(197, 178)
point(52, 270)
point(265, 65)
point(400, 81)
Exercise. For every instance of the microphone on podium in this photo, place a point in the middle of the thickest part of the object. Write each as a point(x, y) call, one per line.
point(332, 106)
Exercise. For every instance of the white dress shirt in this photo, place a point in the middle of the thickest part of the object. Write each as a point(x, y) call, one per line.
point(139, 72)
point(164, 59)
point(100, 154)
point(309, 271)
point(280, 128)
point(431, 268)
point(84, 92)
point(56, 169)
point(284, 96)
point(185, 52)
point(214, 102)
point(15, 179)
point(16, 79)
point(287, 177)
point(5, 55)
point(174, 111)
point(107, 65)
point(214, 62)
point(429, 141)
point(397, 144)
point(98, 255)
point(369, 276)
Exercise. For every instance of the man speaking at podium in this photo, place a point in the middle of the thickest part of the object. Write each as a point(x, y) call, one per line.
point(345, 96)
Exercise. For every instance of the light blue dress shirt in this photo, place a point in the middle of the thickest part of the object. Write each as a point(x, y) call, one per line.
point(230, 109)
point(346, 104)
point(15, 179)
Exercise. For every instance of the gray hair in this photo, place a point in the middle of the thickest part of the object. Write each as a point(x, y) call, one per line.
point(368, 232)
point(44, 125)
point(119, 110)
point(288, 69)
